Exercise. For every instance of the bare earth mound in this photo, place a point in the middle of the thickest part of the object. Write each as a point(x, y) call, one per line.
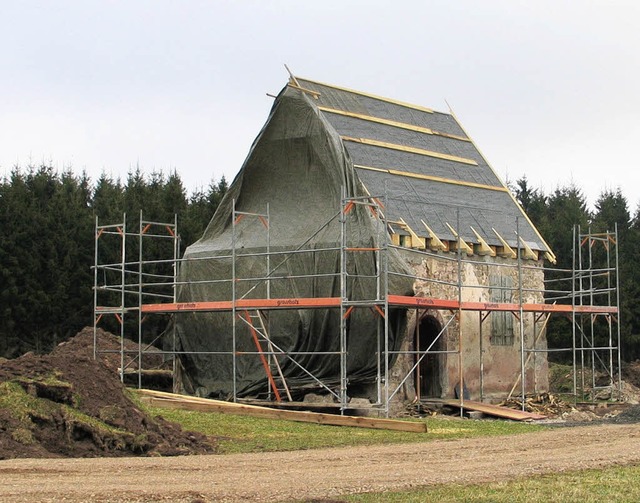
point(66, 404)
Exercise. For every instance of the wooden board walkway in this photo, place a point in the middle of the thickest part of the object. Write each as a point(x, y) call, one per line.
point(175, 401)
point(494, 410)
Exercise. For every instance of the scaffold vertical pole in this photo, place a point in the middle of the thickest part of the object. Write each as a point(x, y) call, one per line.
point(380, 231)
point(460, 329)
point(592, 352)
point(523, 375)
point(343, 299)
point(481, 349)
point(176, 253)
point(234, 362)
point(140, 271)
point(95, 290)
point(385, 271)
point(574, 280)
point(122, 293)
point(618, 314)
point(611, 377)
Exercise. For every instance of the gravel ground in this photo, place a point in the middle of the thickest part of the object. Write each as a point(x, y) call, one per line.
point(318, 474)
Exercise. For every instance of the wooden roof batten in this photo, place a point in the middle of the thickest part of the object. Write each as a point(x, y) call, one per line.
point(370, 95)
point(418, 241)
point(413, 150)
point(432, 178)
point(388, 122)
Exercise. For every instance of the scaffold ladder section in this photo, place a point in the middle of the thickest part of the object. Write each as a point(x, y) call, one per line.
point(258, 328)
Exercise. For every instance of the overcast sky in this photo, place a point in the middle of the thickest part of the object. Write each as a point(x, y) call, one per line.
point(550, 89)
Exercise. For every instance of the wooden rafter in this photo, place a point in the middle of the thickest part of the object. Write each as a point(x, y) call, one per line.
point(461, 242)
point(434, 242)
point(528, 253)
point(483, 247)
point(507, 251)
point(416, 241)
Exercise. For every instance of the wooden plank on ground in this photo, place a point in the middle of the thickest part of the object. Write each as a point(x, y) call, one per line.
point(174, 401)
point(495, 410)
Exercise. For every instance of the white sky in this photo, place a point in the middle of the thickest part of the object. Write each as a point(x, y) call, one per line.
point(550, 89)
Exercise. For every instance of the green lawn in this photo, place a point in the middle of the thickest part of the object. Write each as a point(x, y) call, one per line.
point(248, 434)
point(620, 484)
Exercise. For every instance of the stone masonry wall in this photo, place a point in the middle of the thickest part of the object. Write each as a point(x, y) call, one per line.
point(489, 370)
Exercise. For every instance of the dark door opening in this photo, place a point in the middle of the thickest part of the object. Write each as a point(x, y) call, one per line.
point(429, 378)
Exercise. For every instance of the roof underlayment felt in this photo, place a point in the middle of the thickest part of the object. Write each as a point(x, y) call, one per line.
point(425, 165)
point(313, 150)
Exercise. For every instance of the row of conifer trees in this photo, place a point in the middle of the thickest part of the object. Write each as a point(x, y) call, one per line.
point(47, 224)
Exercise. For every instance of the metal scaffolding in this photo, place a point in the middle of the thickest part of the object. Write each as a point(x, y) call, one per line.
point(133, 288)
point(125, 280)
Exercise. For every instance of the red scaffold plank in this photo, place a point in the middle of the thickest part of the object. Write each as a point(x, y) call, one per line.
point(424, 302)
point(225, 305)
point(394, 300)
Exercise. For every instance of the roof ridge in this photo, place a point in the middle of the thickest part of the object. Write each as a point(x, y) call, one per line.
point(374, 96)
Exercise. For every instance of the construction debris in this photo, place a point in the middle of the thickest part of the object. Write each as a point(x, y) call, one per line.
point(546, 404)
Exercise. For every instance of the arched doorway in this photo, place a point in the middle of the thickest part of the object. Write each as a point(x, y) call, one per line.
point(430, 369)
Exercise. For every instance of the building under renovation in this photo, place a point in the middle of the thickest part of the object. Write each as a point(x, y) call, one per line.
point(366, 249)
point(415, 180)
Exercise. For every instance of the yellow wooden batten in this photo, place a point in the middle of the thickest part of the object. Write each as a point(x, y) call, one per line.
point(461, 242)
point(507, 252)
point(413, 150)
point(434, 241)
point(440, 179)
point(374, 96)
point(389, 122)
point(483, 247)
point(315, 94)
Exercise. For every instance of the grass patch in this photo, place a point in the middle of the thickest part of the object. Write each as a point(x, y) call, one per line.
point(24, 408)
point(21, 405)
point(237, 434)
point(618, 483)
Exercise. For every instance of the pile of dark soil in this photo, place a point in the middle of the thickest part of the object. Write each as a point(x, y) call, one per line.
point(628, 416)
point(66, 404)
point(109, 348)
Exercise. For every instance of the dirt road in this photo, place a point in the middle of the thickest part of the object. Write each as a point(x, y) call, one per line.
point(324, 473)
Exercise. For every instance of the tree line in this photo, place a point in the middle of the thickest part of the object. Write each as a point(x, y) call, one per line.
point(555, 215)
point(47, 224)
